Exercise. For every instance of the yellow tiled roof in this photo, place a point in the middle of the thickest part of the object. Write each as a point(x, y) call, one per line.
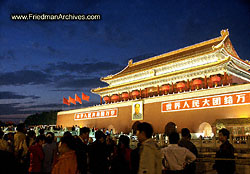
point(183, 53)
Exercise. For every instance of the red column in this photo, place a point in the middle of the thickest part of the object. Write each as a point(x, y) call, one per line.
point(188, 85)
point(172, 87)
point(158, 90)
point(101, 100)
point(225, 79)
point(205, 81)
point(140, 93)
point(146, 92)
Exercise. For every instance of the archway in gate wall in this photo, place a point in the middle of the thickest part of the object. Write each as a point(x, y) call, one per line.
point(206, 129)
point(134, 126)
point(170, 127)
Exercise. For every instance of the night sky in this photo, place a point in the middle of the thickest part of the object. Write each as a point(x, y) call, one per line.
point(42, 61)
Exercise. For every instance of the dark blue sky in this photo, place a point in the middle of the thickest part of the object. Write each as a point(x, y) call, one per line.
point(42, 61)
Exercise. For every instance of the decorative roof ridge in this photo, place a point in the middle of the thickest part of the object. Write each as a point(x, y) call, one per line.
point(105, 79)
point(224, 35)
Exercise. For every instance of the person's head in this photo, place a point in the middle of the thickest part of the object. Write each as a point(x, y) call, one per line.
point(40, 139)
point(144, 131)
point(67, 134)
point(51, 134)
point(11, 136)
point(185, 132)
point(123, 141)
point(41, 132)
point(100, 136)
point(49, 139)
point(31, 134)
point(224, 135)
point(21, 127)
point(174, 138)
point(137, 108)
point(66, 144)
point(84, 133)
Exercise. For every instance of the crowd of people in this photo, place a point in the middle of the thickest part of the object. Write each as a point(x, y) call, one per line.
point(27, 152)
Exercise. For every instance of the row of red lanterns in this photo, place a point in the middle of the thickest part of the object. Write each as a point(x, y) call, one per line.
point(165, 88)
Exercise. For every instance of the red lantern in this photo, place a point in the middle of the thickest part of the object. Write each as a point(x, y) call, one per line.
point(135, 93)
point(165, 88)
point(180, 86)
point(197, 83)
point(115, 98)
point(125, 95)
point(106, 99)
point(215, 79)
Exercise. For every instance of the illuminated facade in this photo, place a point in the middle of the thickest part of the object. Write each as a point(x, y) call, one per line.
point(190, 87)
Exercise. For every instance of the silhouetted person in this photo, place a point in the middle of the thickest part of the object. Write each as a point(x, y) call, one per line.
point(41, 131)
point(49, 149)
point(121, 163)
point(3, 143)
point(82, 149)
point(98, 154)
point(67, 134)
point(20, 147)
point(135, 159)
point(8, 163)
point(226, 151)
point(185, 142)
point(36, 155)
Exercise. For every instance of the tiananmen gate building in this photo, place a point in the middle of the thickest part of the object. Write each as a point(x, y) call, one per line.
point(193, 87)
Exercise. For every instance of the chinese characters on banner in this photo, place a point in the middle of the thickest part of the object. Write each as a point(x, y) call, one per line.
point(96, 114)
point(207, 102)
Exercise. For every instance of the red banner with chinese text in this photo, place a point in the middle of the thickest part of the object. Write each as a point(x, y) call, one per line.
point(107, 113)
point(207, 102)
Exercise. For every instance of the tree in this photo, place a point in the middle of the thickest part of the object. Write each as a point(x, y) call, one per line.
point(44, 118)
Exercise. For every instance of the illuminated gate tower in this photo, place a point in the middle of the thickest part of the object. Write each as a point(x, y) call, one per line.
point(191, 87)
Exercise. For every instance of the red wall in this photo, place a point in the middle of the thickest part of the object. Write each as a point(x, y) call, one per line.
point(152, 114)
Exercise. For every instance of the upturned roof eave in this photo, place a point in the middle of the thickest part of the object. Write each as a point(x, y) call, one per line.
point(162, 56)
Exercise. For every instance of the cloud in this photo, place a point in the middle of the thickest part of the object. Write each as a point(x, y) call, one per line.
point(12, 108)
point(8, 54)
point(65, 90)
point(35, 45)
point(16, 109)
point(55, 106)
point(51, 50)
point(24, 77)
point(13, 95)
point(83, 67)
point(51, 105)
point(80, 83)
